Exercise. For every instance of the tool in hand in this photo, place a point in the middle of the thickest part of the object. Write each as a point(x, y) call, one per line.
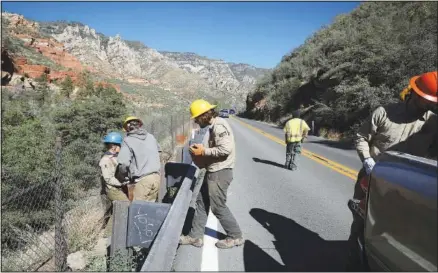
point(197, 149)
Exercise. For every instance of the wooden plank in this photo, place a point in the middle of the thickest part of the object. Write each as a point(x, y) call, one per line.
point(119, 232)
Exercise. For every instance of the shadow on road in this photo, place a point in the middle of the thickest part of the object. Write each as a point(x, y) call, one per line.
point(344, 145)
point(300, 249)
point(258, 160)
point(188, 222)
point(214, 233)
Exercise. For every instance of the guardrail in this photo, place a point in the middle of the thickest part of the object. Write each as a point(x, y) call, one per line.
point(166, 242)
point(157, 227)
point(163, 251)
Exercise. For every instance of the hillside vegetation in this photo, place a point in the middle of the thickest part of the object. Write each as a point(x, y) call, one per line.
point(31, 120)
point(347, 69)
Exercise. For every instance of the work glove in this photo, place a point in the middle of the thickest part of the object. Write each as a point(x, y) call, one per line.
point(368, 164)
point(197, 149)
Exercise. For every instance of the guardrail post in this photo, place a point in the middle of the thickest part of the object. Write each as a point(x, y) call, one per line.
point(119, 233)
point(172, 133)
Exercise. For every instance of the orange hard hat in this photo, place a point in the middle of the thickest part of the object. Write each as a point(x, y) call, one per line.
point(425, 85)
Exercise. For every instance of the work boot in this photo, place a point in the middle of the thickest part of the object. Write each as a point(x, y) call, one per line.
point(187, 240)
point(293, 167)
point(229, 243)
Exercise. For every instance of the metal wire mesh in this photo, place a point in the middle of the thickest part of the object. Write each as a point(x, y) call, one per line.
point(44, 222)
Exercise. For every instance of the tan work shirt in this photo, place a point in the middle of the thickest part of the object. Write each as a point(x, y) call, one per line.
point(220, 153)
point(108, 165)
point(391, 128)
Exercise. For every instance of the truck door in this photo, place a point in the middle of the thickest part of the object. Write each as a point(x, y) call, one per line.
point(401, 220)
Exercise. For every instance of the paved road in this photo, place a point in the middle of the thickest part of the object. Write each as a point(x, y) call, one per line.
point(291, 221)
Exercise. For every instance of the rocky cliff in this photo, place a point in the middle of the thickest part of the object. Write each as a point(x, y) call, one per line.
point(234, 80)
point(74, 45)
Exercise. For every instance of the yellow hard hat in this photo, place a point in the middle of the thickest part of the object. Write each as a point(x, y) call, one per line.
point(199, 107)
point(128, 119)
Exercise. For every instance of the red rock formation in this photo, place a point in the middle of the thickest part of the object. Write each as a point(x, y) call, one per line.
point(56, 52)
point(20, 61)
point(51, 49)
point(61, 75)
point(16, 20)
point(48, 47)
point(33, 70)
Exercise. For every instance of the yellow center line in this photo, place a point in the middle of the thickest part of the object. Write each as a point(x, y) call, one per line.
point(320, 159)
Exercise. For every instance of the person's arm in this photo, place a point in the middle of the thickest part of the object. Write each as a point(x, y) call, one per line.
point(286, 132)
point(124, 159)
point(366, 132)
point(223, 140)
point(108, 173)
point(306, 130)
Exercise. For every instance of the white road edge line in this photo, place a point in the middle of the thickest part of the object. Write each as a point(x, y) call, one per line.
point(210, 258)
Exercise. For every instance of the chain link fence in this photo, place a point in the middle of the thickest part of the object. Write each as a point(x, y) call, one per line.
point(42, 224)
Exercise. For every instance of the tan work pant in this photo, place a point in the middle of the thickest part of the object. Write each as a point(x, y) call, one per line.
point(147, 188)
point(114, 194)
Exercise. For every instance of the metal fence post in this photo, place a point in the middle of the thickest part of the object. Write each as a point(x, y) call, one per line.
point(183, 125)
point(152, 127)
point(171, 132)
point(60, 237)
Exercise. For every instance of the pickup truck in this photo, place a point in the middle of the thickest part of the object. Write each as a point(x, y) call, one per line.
point(399, 213)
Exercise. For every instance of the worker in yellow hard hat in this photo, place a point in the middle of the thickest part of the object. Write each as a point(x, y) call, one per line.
point(218, 159)
point(139, 160)
point(296, 131)
point(199, 107)
point(127, 122)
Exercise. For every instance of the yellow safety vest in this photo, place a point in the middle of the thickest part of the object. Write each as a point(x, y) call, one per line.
point(295, 128)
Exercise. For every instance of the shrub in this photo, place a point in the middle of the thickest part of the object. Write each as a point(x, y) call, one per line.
point(347, 69)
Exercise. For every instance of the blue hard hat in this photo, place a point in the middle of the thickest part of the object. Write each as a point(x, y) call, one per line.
point(113, 137)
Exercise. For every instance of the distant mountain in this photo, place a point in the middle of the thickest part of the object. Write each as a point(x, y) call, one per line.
point(235, 80)
point(131, 64)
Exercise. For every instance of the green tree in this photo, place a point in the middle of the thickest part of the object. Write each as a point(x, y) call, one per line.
point(42, 89)
point(67, 87)
point(86, 85)
point(28, 154)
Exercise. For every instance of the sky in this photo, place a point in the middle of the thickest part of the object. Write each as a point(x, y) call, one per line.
point(256, 33)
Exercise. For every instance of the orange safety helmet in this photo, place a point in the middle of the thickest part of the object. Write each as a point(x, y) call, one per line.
point(425, 85)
